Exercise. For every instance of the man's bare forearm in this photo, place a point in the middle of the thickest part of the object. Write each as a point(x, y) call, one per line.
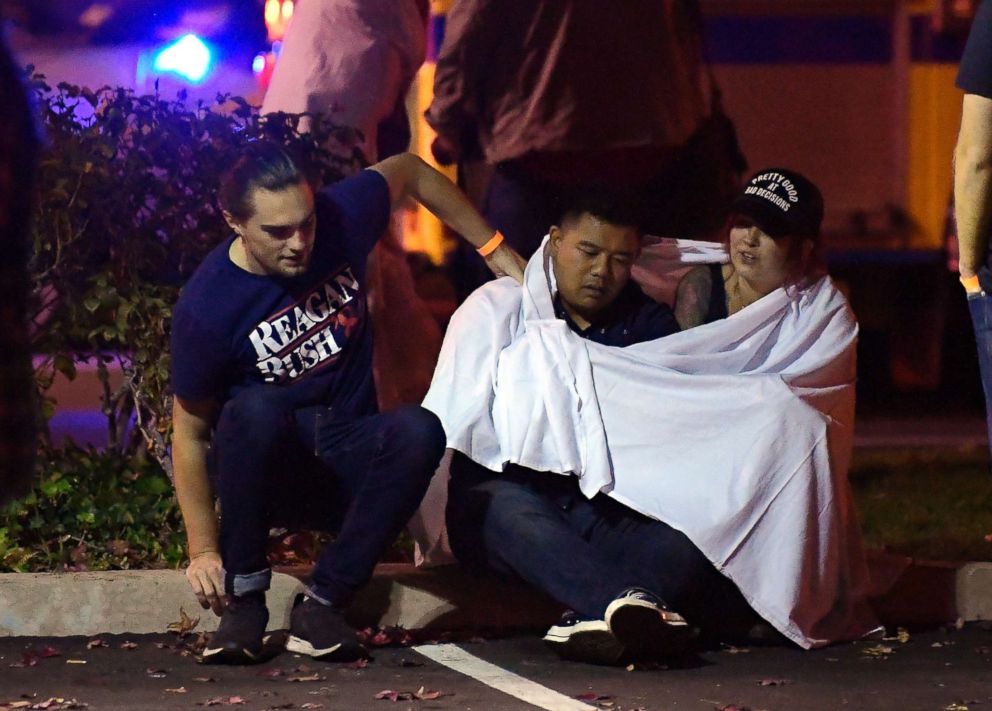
point(193, 491)
point(973, 183)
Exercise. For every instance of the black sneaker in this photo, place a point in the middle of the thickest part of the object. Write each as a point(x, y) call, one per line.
point(582, 639)
point(319, 631)
point(239, 637)
point(646, 626)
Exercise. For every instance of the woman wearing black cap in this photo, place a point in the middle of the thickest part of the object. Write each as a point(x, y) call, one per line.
point(772, 243)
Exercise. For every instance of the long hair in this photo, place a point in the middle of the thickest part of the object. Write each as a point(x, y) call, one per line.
point(262, 164)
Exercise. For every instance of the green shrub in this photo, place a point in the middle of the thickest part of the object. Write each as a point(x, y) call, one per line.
point(93, 510)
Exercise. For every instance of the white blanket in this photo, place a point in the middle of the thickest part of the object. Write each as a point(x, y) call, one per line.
point(737, 433)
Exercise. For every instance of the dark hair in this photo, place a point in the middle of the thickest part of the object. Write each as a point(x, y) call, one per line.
point(608, 204)
point(262, 164)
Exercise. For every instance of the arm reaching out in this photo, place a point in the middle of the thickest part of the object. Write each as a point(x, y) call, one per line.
point(409, 176)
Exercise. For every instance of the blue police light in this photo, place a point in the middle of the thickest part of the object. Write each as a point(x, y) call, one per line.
point(188, 56)
point(258, 63)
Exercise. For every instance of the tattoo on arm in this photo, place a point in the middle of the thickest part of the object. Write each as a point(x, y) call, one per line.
point(693, 297)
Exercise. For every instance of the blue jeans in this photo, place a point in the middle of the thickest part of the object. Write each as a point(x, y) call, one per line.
point(279, 465)
point(538, 527)
point(980, 306)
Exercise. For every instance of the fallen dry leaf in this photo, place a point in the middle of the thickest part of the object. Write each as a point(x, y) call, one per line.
point(129, 645)
point(385, 636)
point(271, 673)
point(223, 701)
point(731, 649)
point(591, 696)
point(956, 707)
point(94, 643)
point(390, 695)
point(879, 651)
point(205, 679)
point(177, 690)
point(52, 704)
point(184, 625)
point(983, 650)
point(424, 695)
point(309, 677)
point(156, 673)
point(311, 705)
point(28, 659)
point(901, 636)
point(773, 682)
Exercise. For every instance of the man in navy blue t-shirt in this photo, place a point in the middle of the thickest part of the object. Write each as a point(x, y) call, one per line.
point(274, 397)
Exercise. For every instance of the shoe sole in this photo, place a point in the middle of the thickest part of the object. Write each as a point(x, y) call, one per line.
point(340, 652)
point(592, 643)
point(644, 630)
point(223, 655)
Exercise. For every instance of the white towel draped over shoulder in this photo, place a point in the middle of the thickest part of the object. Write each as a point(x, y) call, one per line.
point(737, 433)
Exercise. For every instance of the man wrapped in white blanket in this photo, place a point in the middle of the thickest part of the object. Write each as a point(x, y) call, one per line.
point(720, 448)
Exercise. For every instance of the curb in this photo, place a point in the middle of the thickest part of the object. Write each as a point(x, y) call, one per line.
point(148, 601)
point(440, 600)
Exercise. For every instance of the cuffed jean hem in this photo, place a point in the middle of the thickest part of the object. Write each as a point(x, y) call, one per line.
point(239, 585)
point(322, 599)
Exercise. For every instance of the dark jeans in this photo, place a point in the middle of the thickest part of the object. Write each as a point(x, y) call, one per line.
point(980, 306)
point(278, 465)
point(540, 528)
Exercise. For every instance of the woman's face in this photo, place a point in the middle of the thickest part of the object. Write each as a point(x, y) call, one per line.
point(758, 258)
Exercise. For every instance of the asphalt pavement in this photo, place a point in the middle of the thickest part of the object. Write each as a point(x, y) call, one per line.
point(944, 669)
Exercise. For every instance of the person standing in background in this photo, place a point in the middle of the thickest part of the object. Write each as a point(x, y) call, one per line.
point(559, 96)
point(973, 189)
point(19, 144)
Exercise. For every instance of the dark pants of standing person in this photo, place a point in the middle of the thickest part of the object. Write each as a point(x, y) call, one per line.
point(538, 527)
point(277, 465)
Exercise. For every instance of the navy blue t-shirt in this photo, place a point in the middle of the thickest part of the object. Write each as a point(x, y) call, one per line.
point(632, 318)
point(232, 329)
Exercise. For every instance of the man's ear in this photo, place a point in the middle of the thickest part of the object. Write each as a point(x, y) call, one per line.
point(556, 235)
point(232, 222)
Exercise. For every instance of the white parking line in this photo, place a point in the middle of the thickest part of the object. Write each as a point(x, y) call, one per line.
point(531, 692)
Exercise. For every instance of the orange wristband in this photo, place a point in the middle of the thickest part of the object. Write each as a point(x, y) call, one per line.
point(971, 284)
point(490, 246)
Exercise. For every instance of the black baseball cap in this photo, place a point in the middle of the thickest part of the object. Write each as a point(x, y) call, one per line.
point(782, 203)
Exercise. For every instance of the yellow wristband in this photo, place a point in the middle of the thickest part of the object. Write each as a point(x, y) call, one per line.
point(490, 246)
point(971, 284)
